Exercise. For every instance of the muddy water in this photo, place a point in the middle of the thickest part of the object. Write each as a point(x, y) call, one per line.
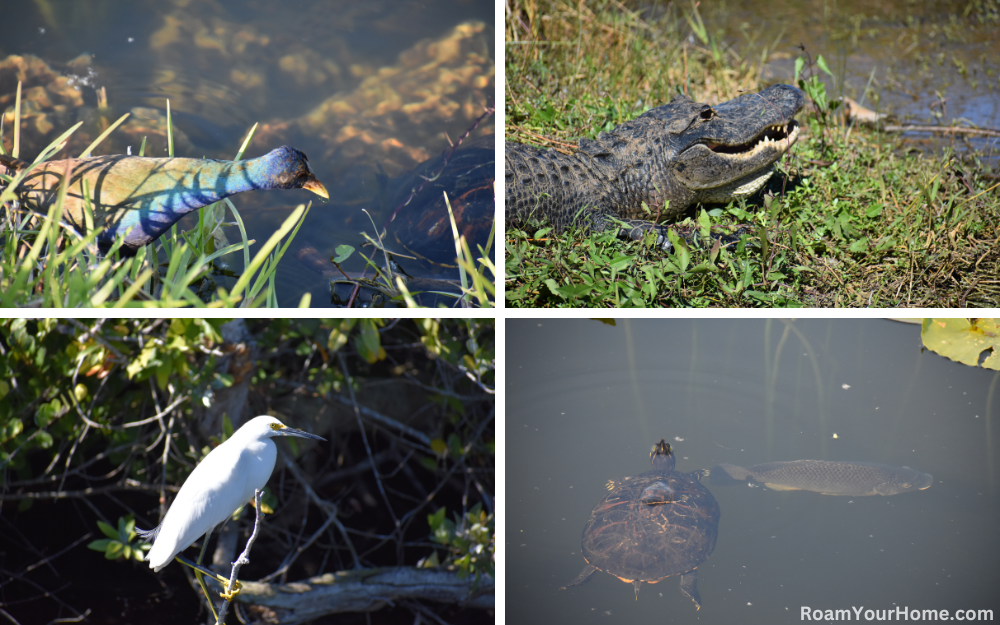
point(586, 400)
point(931, 63)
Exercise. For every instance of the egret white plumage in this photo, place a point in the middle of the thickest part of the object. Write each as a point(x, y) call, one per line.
point(222, 483)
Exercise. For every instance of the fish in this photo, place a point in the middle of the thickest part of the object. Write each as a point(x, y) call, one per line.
point(853, 479)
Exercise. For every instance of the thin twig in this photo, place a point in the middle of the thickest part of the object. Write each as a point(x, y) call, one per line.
point(378, 417)
point(364, 437)
point(244, 557)
point(299, 550)
point(328, 507)
point(128, 484)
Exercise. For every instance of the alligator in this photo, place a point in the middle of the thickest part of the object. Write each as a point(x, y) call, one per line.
point(668, 158)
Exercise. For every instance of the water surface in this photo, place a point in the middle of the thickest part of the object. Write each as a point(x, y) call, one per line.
point(586, 401)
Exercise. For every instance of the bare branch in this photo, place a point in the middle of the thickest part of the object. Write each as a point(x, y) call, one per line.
point(243, 559)
point(365, 590)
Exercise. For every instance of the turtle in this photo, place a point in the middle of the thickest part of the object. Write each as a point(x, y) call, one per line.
point(652, 526)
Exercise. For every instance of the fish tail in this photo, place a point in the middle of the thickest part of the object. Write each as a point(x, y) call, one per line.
point(728, 474)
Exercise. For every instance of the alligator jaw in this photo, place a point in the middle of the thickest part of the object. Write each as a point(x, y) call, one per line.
point(720, 172)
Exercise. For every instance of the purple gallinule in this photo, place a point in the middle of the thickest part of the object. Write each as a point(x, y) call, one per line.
point(139, 198)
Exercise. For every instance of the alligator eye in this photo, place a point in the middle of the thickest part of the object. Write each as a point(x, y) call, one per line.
point(707, 114)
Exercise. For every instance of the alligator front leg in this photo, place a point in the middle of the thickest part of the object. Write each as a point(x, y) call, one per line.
point(636, 229)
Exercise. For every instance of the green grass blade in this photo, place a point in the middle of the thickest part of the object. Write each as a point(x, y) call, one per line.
point(103, 136)
point(265, 250)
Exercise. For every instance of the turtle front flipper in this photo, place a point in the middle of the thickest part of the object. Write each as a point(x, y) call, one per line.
point(699, 474)
point(689, 586)
point(582, 577)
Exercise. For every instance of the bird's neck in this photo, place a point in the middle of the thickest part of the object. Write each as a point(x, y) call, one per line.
point(250, 175)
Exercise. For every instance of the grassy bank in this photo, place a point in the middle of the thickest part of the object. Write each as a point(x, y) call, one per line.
point(848, 220)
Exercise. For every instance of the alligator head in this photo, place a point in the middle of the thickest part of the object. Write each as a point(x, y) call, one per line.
point(668, 158)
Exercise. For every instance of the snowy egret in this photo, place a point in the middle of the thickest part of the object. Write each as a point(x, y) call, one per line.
point(224, 481)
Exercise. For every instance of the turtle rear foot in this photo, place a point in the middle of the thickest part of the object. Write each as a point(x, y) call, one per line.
point(582, 577)
point(689, 586)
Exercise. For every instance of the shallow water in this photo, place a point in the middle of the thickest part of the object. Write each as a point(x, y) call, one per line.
point(586, 401)
point(225, 65)
point(922, 62)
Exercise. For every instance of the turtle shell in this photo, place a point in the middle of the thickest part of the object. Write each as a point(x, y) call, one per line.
point(653, 525)
point(422, 227)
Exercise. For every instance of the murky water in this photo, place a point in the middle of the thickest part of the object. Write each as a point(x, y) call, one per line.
point(928, 63)
point(586, 401)
point(364, 89)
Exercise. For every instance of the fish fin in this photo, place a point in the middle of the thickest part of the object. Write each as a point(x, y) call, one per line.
point(780, 486)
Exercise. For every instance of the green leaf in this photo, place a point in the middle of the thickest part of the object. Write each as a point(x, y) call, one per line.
point(963, 341)
point(681, 254)
point(704, 223)
point(146, 356)
point(821, 63)
point(431, 561)
point(44, 439)
point(48, 412)
point(570, 291)
point(108, 530)
point(860, 245)
point(163, 375)
point(434, 520)
point(369, 342)
point(114, 550)
point(99, 545)
point(340, 334)
point(454, 446)
point(444, 532)
point(438, 446)
point(343, 253)
point(874, 210)
point(12, 429)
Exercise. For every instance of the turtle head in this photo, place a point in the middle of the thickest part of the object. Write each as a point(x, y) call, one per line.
point(661, 456)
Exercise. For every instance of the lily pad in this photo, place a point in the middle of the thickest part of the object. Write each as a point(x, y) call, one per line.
point(964, 340)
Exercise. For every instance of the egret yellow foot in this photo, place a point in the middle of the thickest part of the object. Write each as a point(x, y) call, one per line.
point(229, 595)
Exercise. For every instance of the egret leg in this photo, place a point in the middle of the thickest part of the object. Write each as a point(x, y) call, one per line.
point(200, 570)
point(197, 572)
